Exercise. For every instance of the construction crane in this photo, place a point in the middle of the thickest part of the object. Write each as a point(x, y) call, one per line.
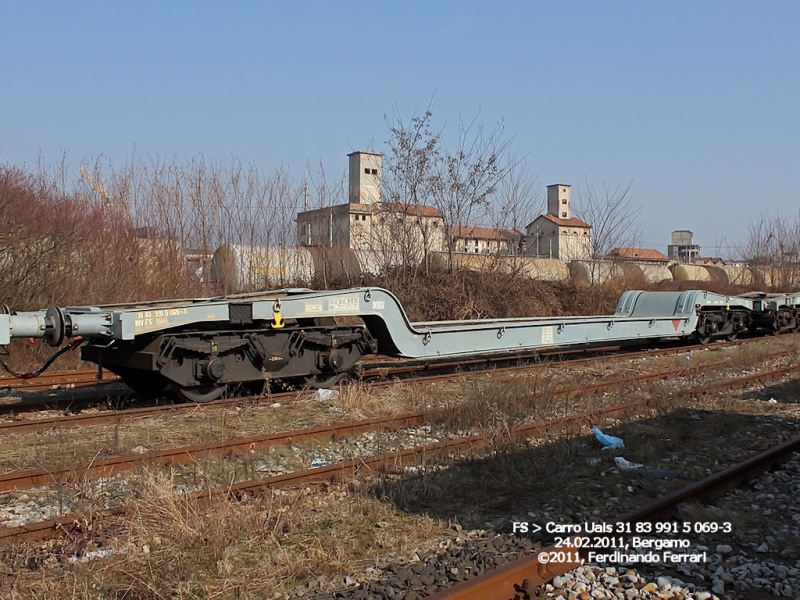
point(100, 190)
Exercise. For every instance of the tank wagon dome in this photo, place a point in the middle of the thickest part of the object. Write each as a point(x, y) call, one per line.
point(335, 263)
point(632, 272)
point(544, 269)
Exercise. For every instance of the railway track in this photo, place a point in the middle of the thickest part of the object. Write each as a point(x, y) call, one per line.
point(103, 467)
point(56, 381)
point(368, 371)
point(527, 578)
point(378, 375)
point(388, 462)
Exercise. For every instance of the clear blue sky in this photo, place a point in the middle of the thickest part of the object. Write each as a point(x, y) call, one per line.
point(696, 102)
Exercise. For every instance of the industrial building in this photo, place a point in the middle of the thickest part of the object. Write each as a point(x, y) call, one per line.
point(558, 234)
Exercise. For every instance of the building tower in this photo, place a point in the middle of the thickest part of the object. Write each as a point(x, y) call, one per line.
point(365, 178)
point(559, 200)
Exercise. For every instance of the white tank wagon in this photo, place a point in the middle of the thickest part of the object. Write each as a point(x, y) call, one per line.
point(377, 262)
point(653, 272)
point(740, 275)
point(335, 263)
point(690, 273)
point(642, 272)
point(542, 269)
point(592, 272)
point(250, 267)
point(202, 346)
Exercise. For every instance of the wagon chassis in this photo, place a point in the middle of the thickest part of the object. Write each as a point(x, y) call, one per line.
point(202, 346)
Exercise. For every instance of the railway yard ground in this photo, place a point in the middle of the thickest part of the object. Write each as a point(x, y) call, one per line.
point(431, 481)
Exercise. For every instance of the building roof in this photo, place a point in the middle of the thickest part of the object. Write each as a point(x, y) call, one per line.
point(639, 254)
point(365, 152)
point(485, 233)
point(417, 210)
point(420, 210)
point(571, 222)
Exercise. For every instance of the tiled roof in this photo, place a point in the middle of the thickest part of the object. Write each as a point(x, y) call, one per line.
point(420, 210)
point(640, 254)
point(571, 222)
point(417, 210)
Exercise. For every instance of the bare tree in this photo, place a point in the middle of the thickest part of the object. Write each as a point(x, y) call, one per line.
point(410, 178)
point(469, 174)
point(613, 216)
point(517, 201)
point(772, 244)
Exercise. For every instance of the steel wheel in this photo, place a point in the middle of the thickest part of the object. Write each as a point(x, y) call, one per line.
point(143, 382)
point(323, 380)
point(702, 338)
point(200, 393)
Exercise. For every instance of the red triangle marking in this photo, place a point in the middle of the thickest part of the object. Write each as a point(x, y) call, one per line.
point(676, 323)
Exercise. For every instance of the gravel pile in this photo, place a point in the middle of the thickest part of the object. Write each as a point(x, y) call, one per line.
point(762, 554)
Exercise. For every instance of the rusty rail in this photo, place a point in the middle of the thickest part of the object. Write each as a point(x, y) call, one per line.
point(526, 577)
point(25, 479)
point(117, 416)
point(394, 462)
point(54, 381)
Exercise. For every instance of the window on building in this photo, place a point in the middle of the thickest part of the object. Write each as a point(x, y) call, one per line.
point(563, 215)
point(366, 171)
point(563, 201)
point(374, 171)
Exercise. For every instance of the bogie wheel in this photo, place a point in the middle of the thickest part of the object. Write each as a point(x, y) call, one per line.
point(323, 380)
point(142, 382)
point(200, 393)
point(731, 337)
point(702, 338)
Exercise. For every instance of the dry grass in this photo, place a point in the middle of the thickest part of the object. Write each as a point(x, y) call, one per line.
point(170, 548)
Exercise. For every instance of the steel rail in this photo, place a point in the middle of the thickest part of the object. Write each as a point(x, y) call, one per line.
point(526, 578)
point(387, 462)
point(117, 416)
point(369, 372)
point(25, 479)
point(54, 381)
point(394, 462)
